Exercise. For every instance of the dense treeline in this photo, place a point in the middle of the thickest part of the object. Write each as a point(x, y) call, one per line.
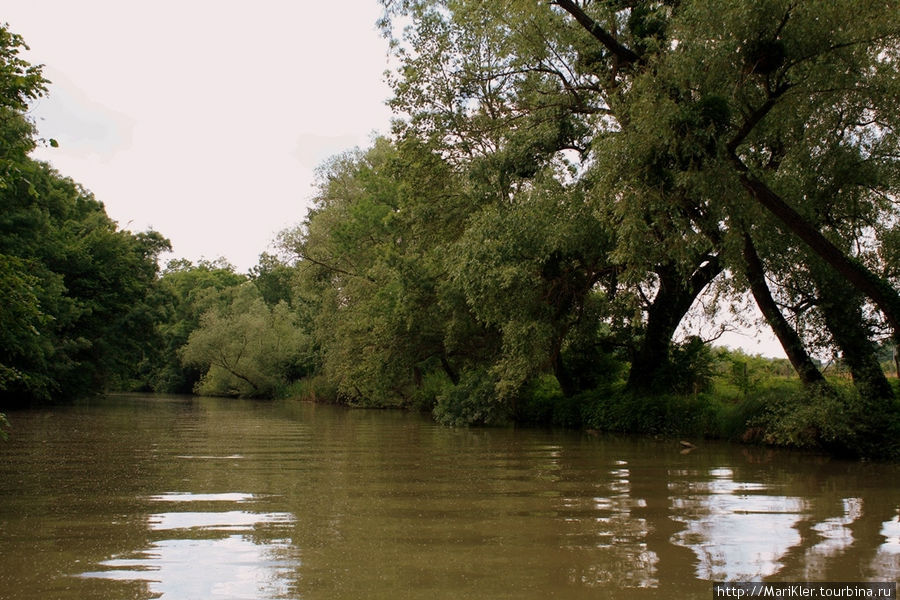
point(565, 182)
point(76, 313)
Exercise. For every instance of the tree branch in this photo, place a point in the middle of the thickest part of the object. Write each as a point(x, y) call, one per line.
point(623, 54)
point(879, 291)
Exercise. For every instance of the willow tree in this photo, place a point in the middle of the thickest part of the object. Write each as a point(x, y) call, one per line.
point(371, 263)
point(694, 120)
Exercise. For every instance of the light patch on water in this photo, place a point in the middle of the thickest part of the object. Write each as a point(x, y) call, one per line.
point(210, 457)
point(886, 563)
point(835, 537)
point(231, 567)
point(232, 520)
point(891, 532)
point(737, 533)
point(188, 497)
point(237, 554)
point(835, 532)
point(613, 535)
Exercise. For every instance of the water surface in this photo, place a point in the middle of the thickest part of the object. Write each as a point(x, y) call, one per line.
point(180, 498)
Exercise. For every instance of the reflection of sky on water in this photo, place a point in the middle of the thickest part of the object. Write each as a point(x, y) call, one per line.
point(891, 532)
point(210, 554)
point(232, 520)
point(886, 564)
point(737, 532)
point(188, 497)
point(835, 536)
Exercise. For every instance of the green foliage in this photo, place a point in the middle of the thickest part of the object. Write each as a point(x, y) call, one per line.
point(473, 401)
point(370, 273)
point(184, 292)
point(837, 420)
point(655, 414)
point(312, 388)
point(432, 385)
point(274, 279)
point(78, 310)
point(20, 84)
point(690, 368)
point(542, 401)
point(246, 348)
point(81, 313)
point(22, 348)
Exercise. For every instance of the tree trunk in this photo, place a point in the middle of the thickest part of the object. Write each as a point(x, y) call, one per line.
point(878, 290)
point(842, 309)
point(896, 354)
point(448, 369)
point(564, 376)
point(790, 340)
point(672, 301)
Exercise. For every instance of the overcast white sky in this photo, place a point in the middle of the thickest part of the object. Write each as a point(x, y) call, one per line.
point(204, 119)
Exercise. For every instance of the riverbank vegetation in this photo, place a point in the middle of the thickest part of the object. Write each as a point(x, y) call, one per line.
point(566, 185)
point(76, 308)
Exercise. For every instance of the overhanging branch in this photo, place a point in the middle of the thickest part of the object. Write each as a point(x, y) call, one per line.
point(625, 55)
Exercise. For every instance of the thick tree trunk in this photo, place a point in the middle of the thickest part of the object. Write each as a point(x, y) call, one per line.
point(672, 301)
point(842, 310)
point(790, 340)
point(564, 376)
point(897, 360)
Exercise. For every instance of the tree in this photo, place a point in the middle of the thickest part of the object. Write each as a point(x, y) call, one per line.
point(245, 348)
point(371, 272)
point(274, 279)
point(20, 84)
point(692, 119)
point(529, 268)
point(77, 313)
point(184, 293)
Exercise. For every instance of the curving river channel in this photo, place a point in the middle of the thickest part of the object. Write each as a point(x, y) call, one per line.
point(182, 498)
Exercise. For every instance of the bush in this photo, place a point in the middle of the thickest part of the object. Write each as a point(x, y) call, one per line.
point(689, 369)
point(542, 401)
point(433, 385)
point(837, 420)
point(655, 414)
point(473, 401)
point(316, 388)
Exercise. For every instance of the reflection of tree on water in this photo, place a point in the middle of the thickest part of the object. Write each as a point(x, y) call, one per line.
point(609, 543)
point(652, 484)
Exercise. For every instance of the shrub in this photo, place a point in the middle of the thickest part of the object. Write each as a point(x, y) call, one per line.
point(837, 420)
point(473, 401)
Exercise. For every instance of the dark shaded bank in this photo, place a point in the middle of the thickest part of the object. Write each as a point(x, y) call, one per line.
point(775, 412)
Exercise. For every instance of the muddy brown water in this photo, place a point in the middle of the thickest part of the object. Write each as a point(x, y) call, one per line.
point(182, 498)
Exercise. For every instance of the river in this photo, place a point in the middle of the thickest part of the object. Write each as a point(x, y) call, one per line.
point(182, 498)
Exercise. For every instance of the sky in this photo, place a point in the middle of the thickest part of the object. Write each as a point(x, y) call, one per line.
point(204, 120)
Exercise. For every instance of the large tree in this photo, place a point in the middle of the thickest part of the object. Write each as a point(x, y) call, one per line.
point(696, 122)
